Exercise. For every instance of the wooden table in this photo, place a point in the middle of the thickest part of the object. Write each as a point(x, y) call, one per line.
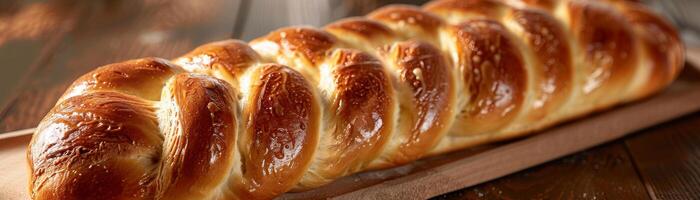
point(52, 43)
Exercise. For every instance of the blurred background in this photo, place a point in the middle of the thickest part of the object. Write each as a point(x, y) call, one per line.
point(61, 39)
point(45, 44)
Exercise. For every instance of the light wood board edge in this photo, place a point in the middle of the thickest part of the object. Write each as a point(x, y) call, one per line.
point(538, 149)
point(531, 151)
point(17, 133)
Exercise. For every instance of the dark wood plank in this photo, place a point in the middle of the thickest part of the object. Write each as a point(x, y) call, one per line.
point(113, 31)
point(29, 34)
point(668, 158)
point(604, 172)
point(110, 32)
point(524, 184)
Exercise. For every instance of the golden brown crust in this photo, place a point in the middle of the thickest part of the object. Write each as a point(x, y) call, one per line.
point(494, 74)
point(661, 43)
point(98, 145)
point(477, 8)
point(405, 15)
point(227, 60)
point(310, 43)
point(361, 26)
point(200, 137)
point(141, 77)
point(364, 93)
point(232, 56)
point(608, 49)
point(552, 63)
point(282, 127)
point(423, 71)
point(360, 117)
point(362, 33)
point(543, 4)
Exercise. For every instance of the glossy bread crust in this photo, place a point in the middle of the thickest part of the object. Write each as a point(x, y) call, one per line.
point(301, 106)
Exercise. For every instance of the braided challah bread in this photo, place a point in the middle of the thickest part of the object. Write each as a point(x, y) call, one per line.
point(300, 107)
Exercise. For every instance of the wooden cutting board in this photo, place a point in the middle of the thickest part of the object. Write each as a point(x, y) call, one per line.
point(437, 175)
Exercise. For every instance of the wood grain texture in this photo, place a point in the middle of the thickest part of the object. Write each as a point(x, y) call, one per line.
point(605, 172)
point(668, 158)
point(112, 31)
point(29, 35)
point(15, 168)
point(101, 32)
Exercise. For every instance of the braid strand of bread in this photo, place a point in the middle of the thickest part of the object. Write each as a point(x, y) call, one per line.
point(301, 106)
